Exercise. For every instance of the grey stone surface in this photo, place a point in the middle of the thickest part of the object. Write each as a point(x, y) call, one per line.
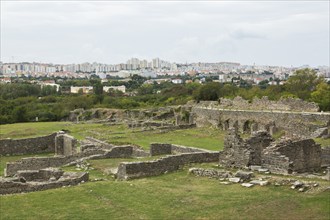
point(244, 175)
point(289, 155)
point(10, 185)
point(211, 173)
point(160, 149)
point(243, 153)
point(247, 185)
point(247, 120)
point(65, 145)
point(37, 163)
point(234, 179)
point(43, 144)
point(325, 157)
point(131, 170)
point(259, 182)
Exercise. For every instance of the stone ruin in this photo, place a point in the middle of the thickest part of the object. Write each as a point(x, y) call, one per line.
point(39, 173)
point(285, 156)
point(36, 180)
point(292, 156)
point(259, 152)
point(244, 153)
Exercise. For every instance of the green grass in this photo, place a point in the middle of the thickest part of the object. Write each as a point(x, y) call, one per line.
point(171, 196)
point(175, 195)
point(323, 142)
point(211, 139)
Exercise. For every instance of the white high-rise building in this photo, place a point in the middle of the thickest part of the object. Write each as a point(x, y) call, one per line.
point(156, 63)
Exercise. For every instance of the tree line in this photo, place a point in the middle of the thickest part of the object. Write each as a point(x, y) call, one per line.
point(21, 102)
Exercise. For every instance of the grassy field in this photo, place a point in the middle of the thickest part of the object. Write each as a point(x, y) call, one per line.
point(175, 195)
point(171, 196)
point(211, 139)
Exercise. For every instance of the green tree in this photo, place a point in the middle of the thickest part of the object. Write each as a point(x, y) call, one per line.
point(322, 96)
point(20, 114)
point(303, 82)
point(209, 91)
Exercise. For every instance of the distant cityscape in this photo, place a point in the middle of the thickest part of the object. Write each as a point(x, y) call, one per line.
point(155, 68)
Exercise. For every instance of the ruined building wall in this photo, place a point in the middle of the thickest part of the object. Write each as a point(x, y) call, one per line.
point(325, 156)
point(284, 104)
point(37, 163)
point(287, 156)
point(160, 149)
point(243, 153)
point(131, 170)
point(251, 120)
point(69, 179)
point(44, 144)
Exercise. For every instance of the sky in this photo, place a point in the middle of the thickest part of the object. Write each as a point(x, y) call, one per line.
point(282, 33)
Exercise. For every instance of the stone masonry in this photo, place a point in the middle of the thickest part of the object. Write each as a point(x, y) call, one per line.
point(36, 145)
point(288, 156)
point(132, 170)
point(284, 156)
point(65, 145)
point(243, 153)
point(247, 120)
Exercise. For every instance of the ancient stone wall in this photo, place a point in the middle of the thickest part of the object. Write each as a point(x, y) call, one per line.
point(37, 145)
point(243, 153)
point(288, 156)
point(37, 163)
point(131, 170)
point(252, 120)
point(325, 156)
point(183, 149)
point(40, 175)
point(284, 104)
point(9, 186)
point(65, 145)
point(160, 149)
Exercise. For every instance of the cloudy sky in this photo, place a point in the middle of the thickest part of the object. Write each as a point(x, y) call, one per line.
point(262, 32)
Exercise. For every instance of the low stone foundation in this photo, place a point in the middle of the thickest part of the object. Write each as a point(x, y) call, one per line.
point(160, 149)
point(14, 185)
point(131, 170)
point(37, 163)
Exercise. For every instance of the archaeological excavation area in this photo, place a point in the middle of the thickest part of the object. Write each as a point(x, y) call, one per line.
point(157, 158)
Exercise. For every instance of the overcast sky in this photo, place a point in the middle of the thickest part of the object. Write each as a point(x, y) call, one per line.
point(262, 32)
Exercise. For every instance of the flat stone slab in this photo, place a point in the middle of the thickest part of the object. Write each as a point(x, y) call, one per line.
point(259, 182)
point(255, 167)
point(263, 170)
point(234, 180)
point(248, 185)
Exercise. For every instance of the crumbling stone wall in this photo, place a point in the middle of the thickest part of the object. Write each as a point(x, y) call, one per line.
point(37, 163)
point(37, 145)
point(40, 175)
point(131, 170)
point(184, 149)
point(325, 157)
point(243, 153)
point(287, 156)
point(284, 104)
point(14, 185)
point(304, 124)
point(65, 145)
point(159, 149)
